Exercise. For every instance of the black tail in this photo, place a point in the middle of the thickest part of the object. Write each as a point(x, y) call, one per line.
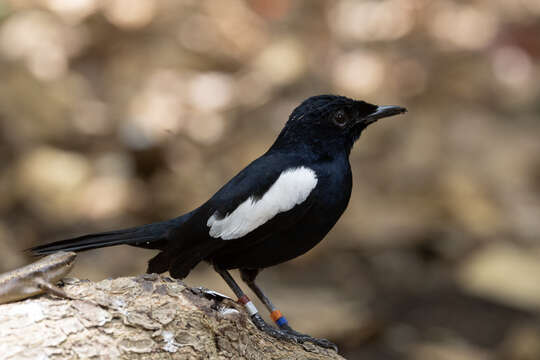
point(151, 236)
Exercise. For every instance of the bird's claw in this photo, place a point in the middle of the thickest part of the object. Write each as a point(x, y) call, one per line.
point(289, 334)
point(302, 338)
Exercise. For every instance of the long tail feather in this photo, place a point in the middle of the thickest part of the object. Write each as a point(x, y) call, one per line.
point(151, 236)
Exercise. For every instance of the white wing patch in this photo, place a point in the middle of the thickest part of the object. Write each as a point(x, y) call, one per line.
point(291, 188)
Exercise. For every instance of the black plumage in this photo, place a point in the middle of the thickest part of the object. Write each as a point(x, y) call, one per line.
point(275, 209)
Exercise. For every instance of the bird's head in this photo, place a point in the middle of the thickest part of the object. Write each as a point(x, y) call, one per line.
point(330, 121)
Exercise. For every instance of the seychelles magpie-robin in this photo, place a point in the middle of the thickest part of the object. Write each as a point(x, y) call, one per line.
point(277, 208)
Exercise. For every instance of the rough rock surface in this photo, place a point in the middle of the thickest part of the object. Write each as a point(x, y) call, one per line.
point(149, 317)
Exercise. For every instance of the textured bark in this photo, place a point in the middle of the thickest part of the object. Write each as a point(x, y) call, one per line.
point(149, 317)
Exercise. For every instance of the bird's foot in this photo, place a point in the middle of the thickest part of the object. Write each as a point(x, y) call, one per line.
point(288, 334)
point(306, 338)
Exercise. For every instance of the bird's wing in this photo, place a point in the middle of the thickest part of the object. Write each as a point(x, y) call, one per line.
point(271, 194)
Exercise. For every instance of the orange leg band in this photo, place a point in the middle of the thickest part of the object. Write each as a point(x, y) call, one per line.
point(275, 315)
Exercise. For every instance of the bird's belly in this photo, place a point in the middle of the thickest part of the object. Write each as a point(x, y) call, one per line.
point(281, 246)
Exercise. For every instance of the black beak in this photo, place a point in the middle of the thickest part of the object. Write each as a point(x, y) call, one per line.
point(382, 112)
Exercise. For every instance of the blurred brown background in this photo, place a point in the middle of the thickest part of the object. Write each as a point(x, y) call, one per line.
point(122, 112)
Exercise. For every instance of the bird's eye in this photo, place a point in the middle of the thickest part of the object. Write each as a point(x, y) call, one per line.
point(340, 118)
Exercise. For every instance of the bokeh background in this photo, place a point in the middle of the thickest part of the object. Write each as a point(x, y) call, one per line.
point(115, 113)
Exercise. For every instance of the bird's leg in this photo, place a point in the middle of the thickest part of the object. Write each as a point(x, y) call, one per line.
point(251, 309)
point(281, 334)
point(248, 276)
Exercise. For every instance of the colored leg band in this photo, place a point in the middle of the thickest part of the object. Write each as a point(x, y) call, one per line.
point(251, 309)
point(275, 315)
point(282, 321)
point(278, 318)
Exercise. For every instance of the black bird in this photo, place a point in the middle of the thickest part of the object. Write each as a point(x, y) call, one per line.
point(277, 208)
